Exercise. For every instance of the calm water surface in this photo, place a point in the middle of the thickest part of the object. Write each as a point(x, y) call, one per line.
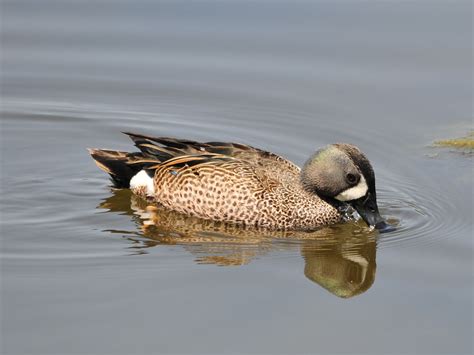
point(86, 269)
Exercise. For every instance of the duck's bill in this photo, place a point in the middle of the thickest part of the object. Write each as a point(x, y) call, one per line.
point(369, 211)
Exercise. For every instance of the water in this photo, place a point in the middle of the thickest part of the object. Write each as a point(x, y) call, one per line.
point(87, 269)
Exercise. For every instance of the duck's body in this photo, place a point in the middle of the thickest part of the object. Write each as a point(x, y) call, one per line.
point(227, 182)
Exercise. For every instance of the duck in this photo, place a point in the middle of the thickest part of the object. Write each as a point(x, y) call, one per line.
point(242, 184)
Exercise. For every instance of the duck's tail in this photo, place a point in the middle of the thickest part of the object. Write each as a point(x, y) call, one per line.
point(121, 166)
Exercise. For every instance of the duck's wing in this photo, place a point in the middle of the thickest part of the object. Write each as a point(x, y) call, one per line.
point(165, 148)
point(123, 166)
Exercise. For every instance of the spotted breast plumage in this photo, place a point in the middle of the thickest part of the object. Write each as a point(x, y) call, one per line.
point(238, 183)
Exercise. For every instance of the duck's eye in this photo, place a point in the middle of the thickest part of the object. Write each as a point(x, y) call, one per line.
point(351, 178)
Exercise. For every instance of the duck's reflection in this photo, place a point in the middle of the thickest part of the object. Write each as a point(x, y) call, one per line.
point(346, 269)
point(339, 258)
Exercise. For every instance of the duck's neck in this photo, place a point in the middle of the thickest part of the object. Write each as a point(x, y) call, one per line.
point(339, 205)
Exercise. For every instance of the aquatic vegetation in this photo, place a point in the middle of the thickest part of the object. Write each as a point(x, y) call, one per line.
point(465, 143)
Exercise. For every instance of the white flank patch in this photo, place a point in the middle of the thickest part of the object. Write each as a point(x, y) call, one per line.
point(354, 192)
point(143, 180)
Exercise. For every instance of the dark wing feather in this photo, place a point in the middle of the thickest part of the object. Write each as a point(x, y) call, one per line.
point(121, 166)
point(165, 148)
point(156, 151)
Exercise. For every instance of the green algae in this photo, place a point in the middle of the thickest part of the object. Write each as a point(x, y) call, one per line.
point(466, 143)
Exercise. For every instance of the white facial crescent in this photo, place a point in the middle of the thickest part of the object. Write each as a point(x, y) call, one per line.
point(354, 192)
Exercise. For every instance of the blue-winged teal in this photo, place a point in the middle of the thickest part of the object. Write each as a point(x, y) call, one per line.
point(242, 184)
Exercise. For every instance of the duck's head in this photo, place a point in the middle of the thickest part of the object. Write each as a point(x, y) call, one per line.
point(341, 173)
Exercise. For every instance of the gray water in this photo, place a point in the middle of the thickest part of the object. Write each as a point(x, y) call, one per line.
point(86, 269)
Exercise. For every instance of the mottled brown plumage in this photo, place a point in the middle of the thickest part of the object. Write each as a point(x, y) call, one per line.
point(229, 181)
